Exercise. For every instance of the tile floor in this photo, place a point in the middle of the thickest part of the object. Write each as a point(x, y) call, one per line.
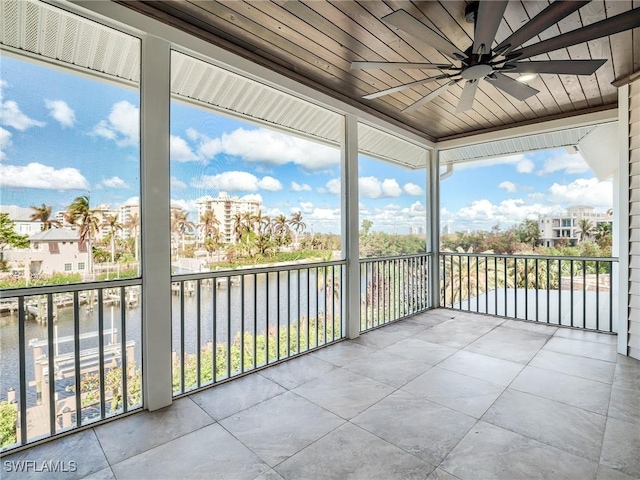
point(442, 395)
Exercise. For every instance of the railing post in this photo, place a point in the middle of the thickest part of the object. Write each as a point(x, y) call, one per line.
point(433, 224)
point(350, 238)
point(155, 213)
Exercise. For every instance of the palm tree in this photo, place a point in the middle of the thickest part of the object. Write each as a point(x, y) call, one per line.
point(132, 224)
point(88, 220)
point(208, 224)
point(43, 214)
point(586, 229)
point(297, 224)
point(238, 226)
point(282, 230)
point(180, 223)
point(113, 224)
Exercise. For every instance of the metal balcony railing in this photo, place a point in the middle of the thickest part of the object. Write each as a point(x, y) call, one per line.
point(71, 356)
point(392, 288)
point(567, 291)
point(228, 323)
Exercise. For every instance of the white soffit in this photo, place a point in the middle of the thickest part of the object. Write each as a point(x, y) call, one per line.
point(193, 79)
point(389, 148)
point(513, 146)
point(42, 30)
point(600, 149)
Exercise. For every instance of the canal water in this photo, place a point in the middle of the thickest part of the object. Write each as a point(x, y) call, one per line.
point(268, 301)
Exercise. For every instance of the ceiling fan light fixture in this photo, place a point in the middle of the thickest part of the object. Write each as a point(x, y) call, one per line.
point(526, 77)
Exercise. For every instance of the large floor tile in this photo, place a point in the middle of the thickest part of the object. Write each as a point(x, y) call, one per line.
point(295, 372)
point(568, 428)
point(534, 327)
point(577, 334)
point(281, 426)
point(350, 453)
point(456, 333)
point(489, 452)
point(78, 455)
point(621, 446)
point(489, 369)
point(606, 473)
point(509, 344)
point(439, 474)
point(377, 339)
point(416, 425)
point(210, 452)
point(342, 353)
point(344, 393)
point(420, 350)
point(575, 365)
point(599, 351)
point(387, 368)
point(627, 374)
point(104, 474)
point(574, 391)
point(142, 431)
point(236, 395)
point(625, 404)
point(459, 392)
point(404, 329)
point(431, 318)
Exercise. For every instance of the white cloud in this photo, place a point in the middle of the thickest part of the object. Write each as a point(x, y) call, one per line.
point(5, 142)
point(122, 126)
point(132, 201)
point(369, 187)
point(61, 112)
point(300, 187)
point(583, 191)
point(12, 116)
point(413, 189)
point(252, 197)
point(177, 183)
point(179, 150)
point(269, 148)
point(333, 186)
point(508, 186)
point(390, 188)
point(270, 184)
point(525, 166)
point(37, 175)
point(188, 205)
point(114, 182)
point(236, 181)
point(565, 162)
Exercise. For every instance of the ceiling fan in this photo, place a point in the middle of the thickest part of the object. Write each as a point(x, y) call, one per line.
point(482, 61)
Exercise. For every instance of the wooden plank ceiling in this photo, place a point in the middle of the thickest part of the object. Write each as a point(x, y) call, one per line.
point(315, 42)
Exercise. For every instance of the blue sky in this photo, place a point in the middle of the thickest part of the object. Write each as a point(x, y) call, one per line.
point(64, 135)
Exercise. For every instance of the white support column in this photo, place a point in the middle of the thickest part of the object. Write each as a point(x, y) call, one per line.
point(620, 282)
point(155, 214)
point(433, 224)
point(350, 222)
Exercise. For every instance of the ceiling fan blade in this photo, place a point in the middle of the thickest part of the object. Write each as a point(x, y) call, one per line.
point(568, 67)
point(603, 28)
point(398, 66)
point(468, 94)
point(403, 21)
point(436, 93)
point(488, 20)
point(538, 24)
point(514, 88)
point(402, 87)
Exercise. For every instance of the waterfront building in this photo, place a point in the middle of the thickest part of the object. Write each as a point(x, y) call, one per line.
point(566, 227)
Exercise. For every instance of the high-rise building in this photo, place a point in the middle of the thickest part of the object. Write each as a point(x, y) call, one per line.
point(225, 208)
